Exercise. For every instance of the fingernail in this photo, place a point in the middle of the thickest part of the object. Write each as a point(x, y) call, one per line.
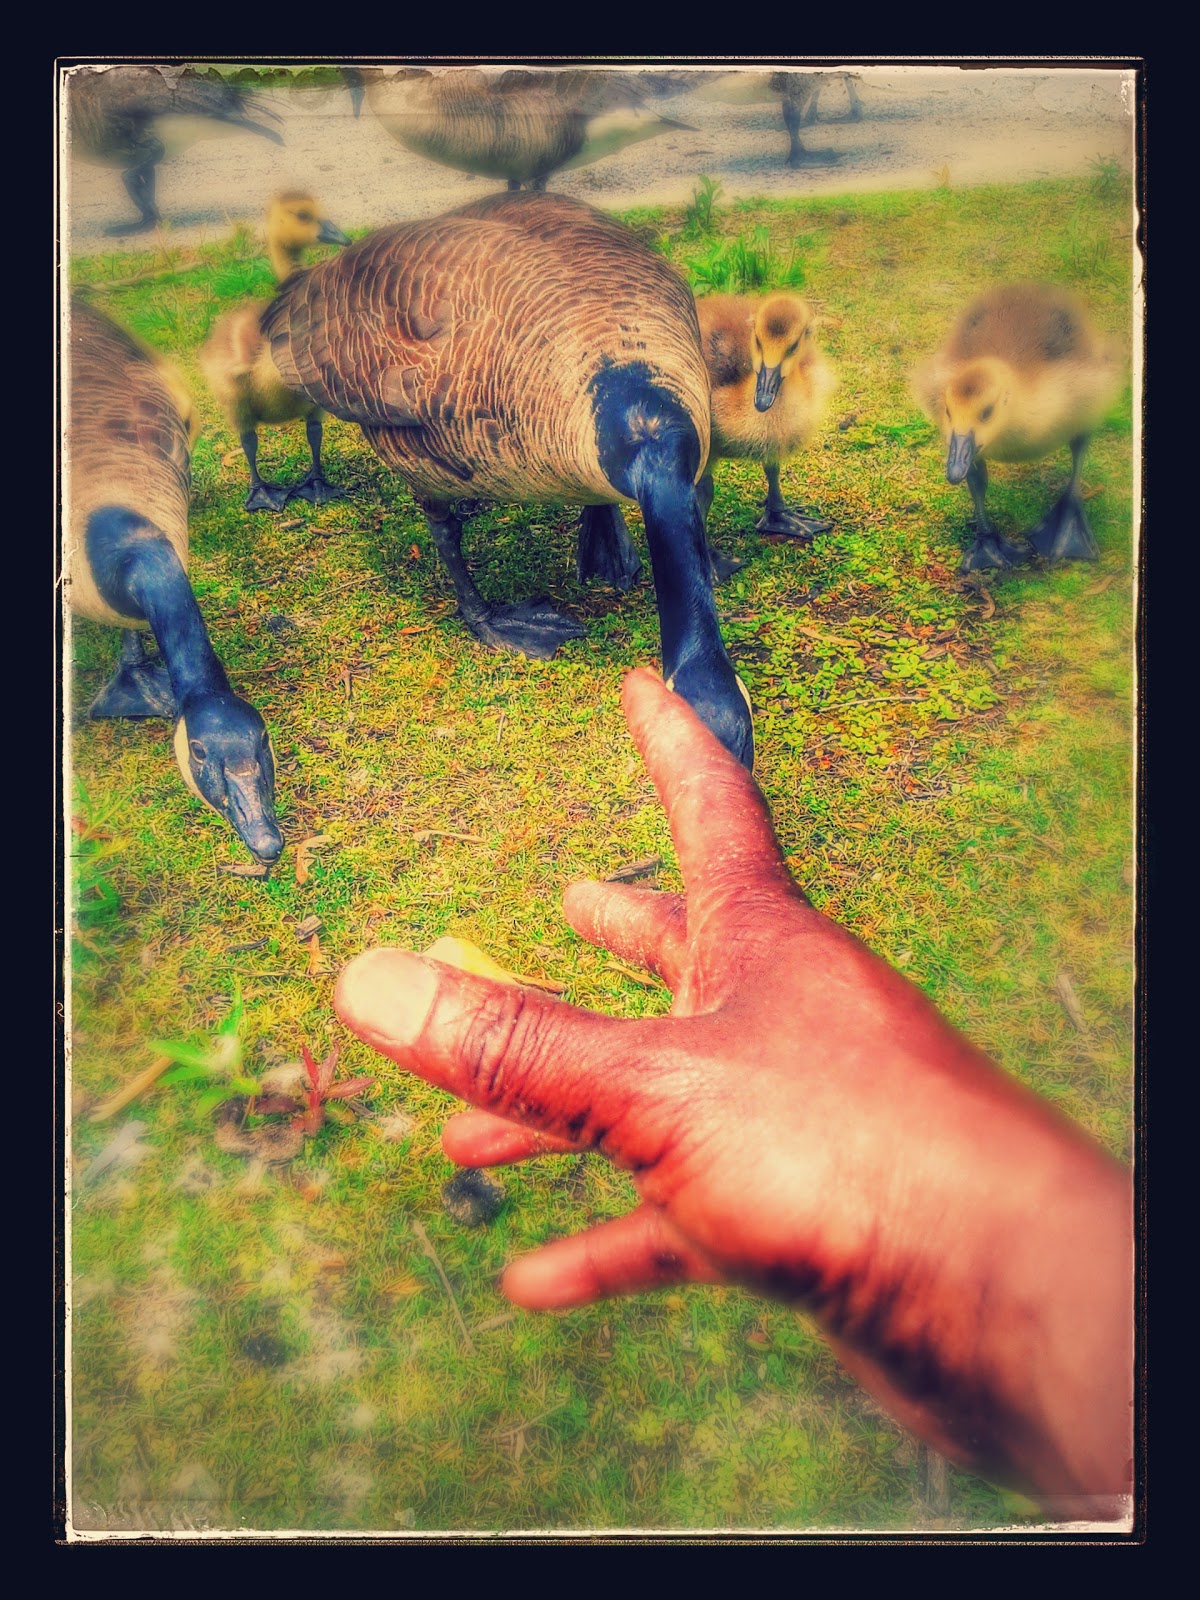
point(385, 996)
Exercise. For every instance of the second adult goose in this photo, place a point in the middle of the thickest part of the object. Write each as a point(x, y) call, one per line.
point(517, 125)
point(239, 372)
point(1023, 372)
point(128, 453)
point(527, 348)
point(134, 116)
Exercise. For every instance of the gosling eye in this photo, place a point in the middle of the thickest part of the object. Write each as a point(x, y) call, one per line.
point(305, 216)
point(986, 413)
point(791, 350)
point(808, 333)
point(198, 753)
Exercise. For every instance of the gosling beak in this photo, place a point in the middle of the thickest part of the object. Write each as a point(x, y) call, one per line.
point(767, 387)
point(962, 454)
point(329, 234)
point(253, 817)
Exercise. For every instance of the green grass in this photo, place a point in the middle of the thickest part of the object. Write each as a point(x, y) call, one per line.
point(272, 1348)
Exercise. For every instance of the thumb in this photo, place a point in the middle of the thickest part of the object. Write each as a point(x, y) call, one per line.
point(568, 1072)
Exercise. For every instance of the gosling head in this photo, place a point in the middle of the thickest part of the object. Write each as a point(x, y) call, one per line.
point(224, 753)
point(782, 340)
point(975, 407)
point(294, 225)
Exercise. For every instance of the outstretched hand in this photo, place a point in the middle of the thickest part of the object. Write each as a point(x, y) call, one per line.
point(803, 1122)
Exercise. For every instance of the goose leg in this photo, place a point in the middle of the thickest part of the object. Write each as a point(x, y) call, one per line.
point(533, 627)
point(856, 110)
point(262, 496)
point(141, 686)
point(721, 566)
point(798, 156)
point(780, 518)
point(315, 486)
point(605, 550)
point(1063, 533)
point(139, 186)
point(991, 548)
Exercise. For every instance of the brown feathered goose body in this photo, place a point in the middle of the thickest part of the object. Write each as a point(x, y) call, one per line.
point(528, 348)
point(466, 345)
point(517, 125)
point(128, 443)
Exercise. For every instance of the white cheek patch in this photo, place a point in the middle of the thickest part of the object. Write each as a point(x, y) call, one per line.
point(183, 759)
point(745, 693)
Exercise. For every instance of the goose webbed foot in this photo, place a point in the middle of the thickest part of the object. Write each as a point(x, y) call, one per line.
point(992, 549)
point(723, 566)
point(317, 490)
point(1063, 533)
point(123, 230)
point(138, 689)
point(267, 497)
point(783, 520)
point(813, 158)
point(532, 628)
point(605, 550)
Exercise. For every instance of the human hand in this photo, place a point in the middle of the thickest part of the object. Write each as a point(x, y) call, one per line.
point(803, 1122)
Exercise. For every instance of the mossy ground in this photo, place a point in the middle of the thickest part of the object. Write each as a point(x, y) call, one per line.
point(951, 775)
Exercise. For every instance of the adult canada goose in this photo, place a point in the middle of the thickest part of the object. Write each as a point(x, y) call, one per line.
point(797, 93)
point(133, 117)
point(770, 383)
point(1023, 372)
point(517, 125)
point(239, 372)
point(527, 348)
point(128, 454)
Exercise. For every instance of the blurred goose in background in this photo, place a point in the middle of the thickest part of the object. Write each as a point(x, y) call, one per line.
point(518, 125)
point(1023, 372)
point(128, 457)
point(798, 94)
point(234, 359)
point(135, 117)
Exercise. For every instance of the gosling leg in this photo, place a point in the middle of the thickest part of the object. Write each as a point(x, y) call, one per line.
point(720, 566)
point(991, 548)
point(315, 487)
point(262, 496)
point(140, 687)
point(1063, 533)
point(780, 518)
point(139, 186)
point(605, 550)
point(533, 627)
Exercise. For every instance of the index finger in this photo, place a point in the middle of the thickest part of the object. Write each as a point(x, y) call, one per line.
point(719, 820)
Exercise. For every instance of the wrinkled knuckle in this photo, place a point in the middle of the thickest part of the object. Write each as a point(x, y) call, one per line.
point(504, 1045)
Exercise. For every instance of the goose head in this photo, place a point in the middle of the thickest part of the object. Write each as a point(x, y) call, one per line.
point(974, 413)
point(294, 225)
point(781, 341)
point(224, 753)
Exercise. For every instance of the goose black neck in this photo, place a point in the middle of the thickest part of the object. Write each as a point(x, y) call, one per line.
point(139, 574)
point(650, 451)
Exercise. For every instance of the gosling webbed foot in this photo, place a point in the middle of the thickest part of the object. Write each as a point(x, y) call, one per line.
point(992, 549)
point(317, 490)
point(137, 691)
point(267, 497)
point(783, 520)
point(1063, 533)
point(605, 550)
point(532, 628)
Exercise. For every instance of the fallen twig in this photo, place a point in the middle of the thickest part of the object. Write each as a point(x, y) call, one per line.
point(423, 1239)
point(132, 1089)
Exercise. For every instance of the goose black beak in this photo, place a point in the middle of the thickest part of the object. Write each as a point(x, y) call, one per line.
point(329, 234)
point(252, 816)
point(962, 454)
point(767, 387)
